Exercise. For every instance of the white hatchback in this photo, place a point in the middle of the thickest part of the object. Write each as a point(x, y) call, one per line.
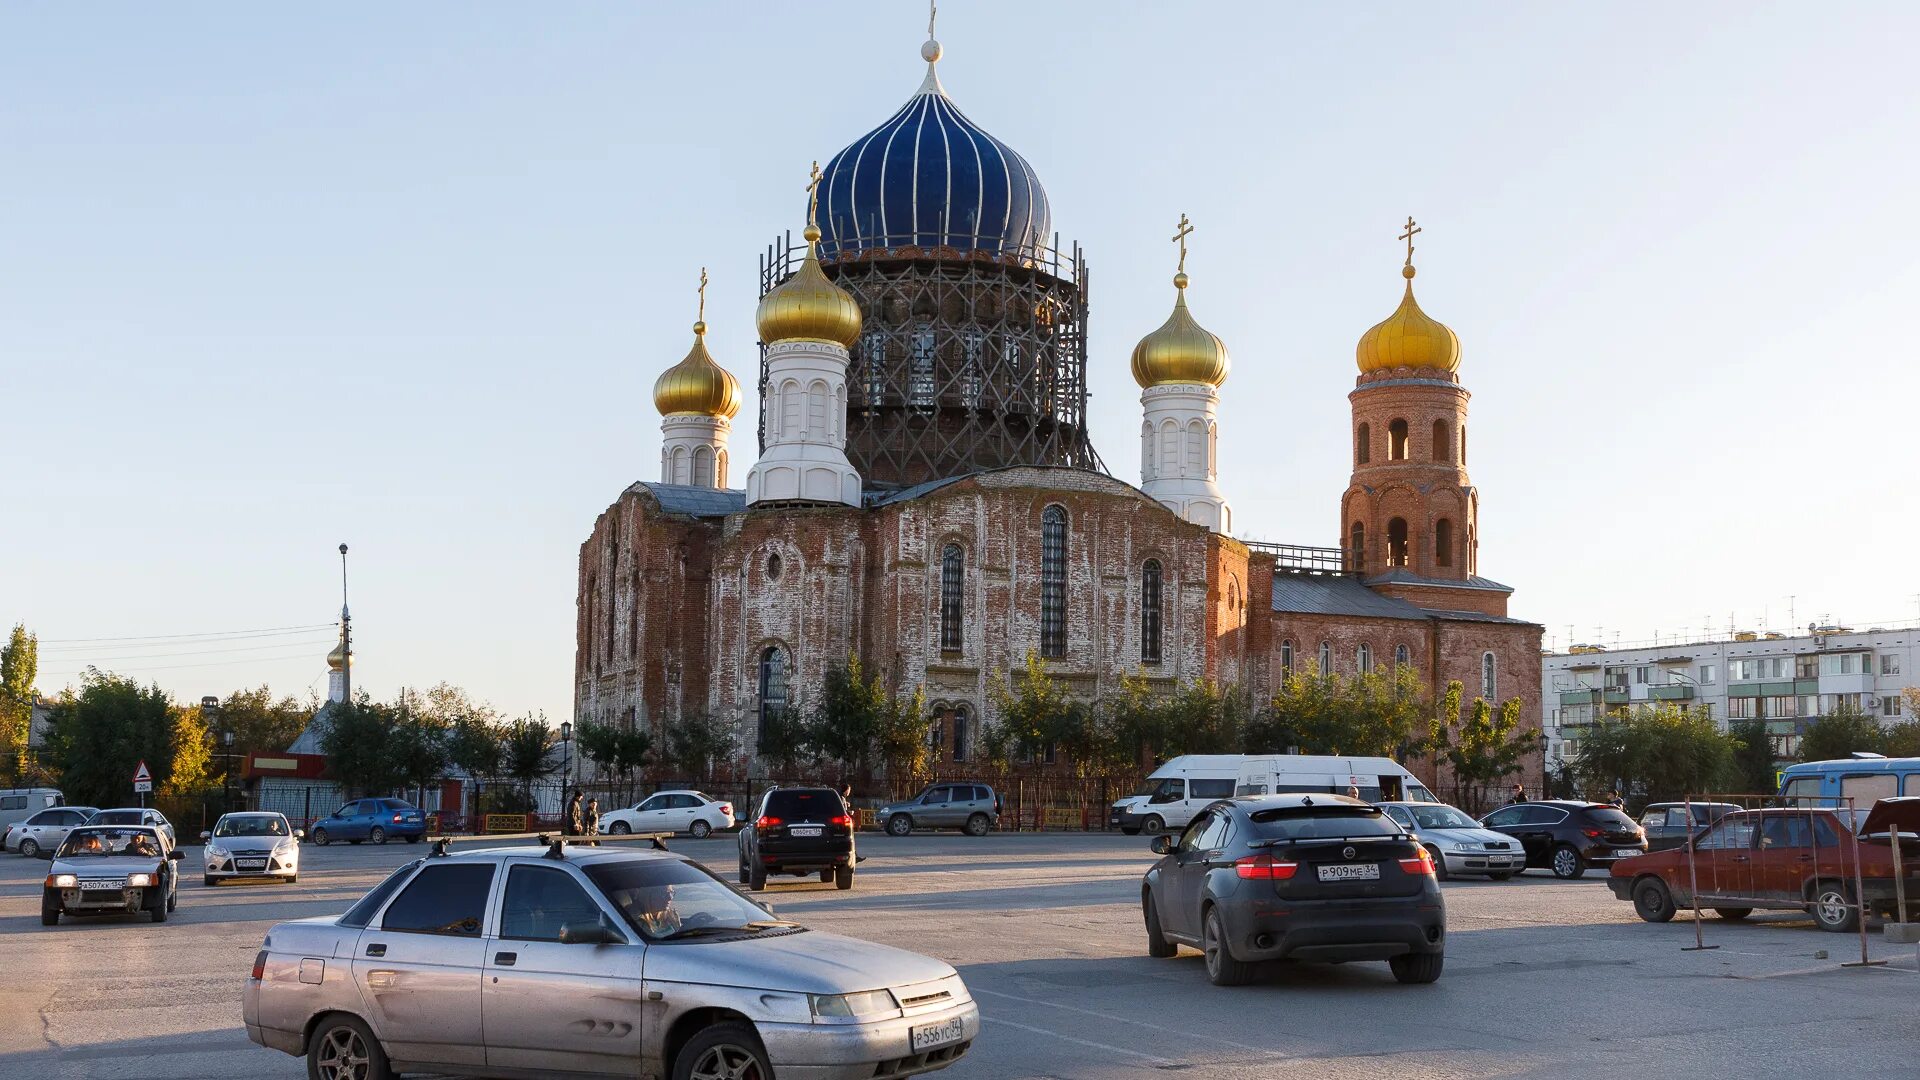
point(693, 812)
point(251, 845)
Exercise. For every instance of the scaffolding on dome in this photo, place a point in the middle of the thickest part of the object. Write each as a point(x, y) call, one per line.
point(968, 358)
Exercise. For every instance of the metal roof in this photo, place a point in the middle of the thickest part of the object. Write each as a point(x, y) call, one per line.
point(695, 501)
point(1403, 576)
point(1324, 594)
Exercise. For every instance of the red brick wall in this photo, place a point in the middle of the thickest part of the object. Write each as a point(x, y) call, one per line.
point(1421, 489)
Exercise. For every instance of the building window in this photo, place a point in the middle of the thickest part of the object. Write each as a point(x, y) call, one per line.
point(961, 733)
point(1358, 537)
point(952, 567)
point(1053, 582)
point(1363, 445)
point(773, 688)
point(1782, 705)
point(773, 567)
point(1442, 442)
point(920, 379)
point(1150, 612)
point(1397, 542)
point(1489, 678)
point(1363, 658)
point(970, 376)
point(1146, 452)
point(1890, 705)
point(1463, 444)
point(1842, 663)
point(1707, 674)
point(1401, 656)
point(1642, 674)
point(1443, 542)
point(1741, 708)
point(1397, 440)
point(873, 360)
point(1326, 658)
point(936, 737)
point(1889, 664)
point(1286, 655)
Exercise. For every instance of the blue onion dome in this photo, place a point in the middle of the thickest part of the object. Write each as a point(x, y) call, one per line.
point(930, 178)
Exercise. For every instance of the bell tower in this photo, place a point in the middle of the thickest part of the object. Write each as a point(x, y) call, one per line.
point(1410, 515)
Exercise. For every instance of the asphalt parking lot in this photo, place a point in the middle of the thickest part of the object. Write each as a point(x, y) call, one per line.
point(1544, 978)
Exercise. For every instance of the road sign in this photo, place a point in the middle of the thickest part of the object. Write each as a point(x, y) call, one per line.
point(142, 776)
point(141, 787)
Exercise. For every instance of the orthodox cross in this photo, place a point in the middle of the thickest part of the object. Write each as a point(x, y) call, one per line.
point(813, 196)
point(933, 11)
point(1180, 237)
point(703, 294)
point(1408, 237)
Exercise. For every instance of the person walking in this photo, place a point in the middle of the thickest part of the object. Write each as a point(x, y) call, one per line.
point(592, 819)
point(570, 822)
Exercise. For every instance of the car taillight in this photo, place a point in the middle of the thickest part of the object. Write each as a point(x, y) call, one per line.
point(767, 822)
point(1419, 864)
point(397, 819)
point(1592, 834)
point(1264, 867)
point(259, 964)
point(840, 819)
point(727, 809)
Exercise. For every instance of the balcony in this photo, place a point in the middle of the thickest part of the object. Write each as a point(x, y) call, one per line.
point(1672, 692)
point(1612, 696)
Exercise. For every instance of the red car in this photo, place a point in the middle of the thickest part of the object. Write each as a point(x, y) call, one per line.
point(1776, 858)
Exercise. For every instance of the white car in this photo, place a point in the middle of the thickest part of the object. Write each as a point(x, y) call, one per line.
point(1458, 843)
point(136, 815)
point(42, 833)
point(251, 845)
point(671, 811)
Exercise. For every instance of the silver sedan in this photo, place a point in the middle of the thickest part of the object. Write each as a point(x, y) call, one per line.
point(593, 962)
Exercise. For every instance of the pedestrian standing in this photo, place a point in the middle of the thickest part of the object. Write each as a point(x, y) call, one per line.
point(593, 817)
point(1519, 794)
point(571, 822)
point(1618, 800)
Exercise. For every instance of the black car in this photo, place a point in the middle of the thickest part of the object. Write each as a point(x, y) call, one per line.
point(1567, 836)
point(1295, 877)
point(798, 831)
point(1668, 825)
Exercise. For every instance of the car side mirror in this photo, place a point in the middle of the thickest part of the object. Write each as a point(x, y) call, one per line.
point(1161, 844)
point(764, 906)
point(591, 933)
point(299, 834)
point(205, 836)
point(176, 855)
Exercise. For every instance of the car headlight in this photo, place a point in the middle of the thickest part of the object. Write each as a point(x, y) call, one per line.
point(851, 1005)
point(139, 881)
point(283, 848)
point(215, 851)
point(63, 881)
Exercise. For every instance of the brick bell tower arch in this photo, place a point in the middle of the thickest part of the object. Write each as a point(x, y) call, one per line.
point(1410, 506)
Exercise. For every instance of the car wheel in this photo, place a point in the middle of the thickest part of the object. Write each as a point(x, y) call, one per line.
point(1503, 875)
point(1417, 967)
point(173, 900)
point(377, 834)
point(291, 878)
point(826, 875)
point(1567, 862)
point(977, 825)
point(699, 830)
point(29, 848)
point(1652, 900)
point(209, 881)
point(1154, 824)
point(743, 869)
point(1157, 944)
point(899, 825)
point(159, 911)
point(729, 1051)
point(319, 837)
point(1222, 968)
point(756, 877)
point(843, 877)
point(1733, 914)
point(1135, 831)
point(619, 828)
point(1439, 864)
point(49, 910)
point(343, 1049)
point(1830, 908)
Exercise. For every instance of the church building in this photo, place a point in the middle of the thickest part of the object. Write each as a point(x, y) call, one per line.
point(926, 496)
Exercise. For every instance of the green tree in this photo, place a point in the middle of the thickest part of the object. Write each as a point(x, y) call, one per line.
point(618, 751)
point(845, 722)
point(1844, 731)
point(19, 669)
point(1484, 751)
point(418, 746)
point(527, 751)
point(900, 737)
point(696, 744)
point(190, 749)
point(1753, 761)
point(1033, 708)
point(1377, 714)
point(261, 723)
point(1903, 739)
point(358, 743)
point(784, 740)
point(1657, 753)
point(100, 735)
point(474, 746)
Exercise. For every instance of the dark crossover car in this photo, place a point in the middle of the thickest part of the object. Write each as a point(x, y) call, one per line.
point(1667, 824)
point(378, 820)
point(1295, 877)
point(798, 831)
point(1567, 836)
point(972, 808)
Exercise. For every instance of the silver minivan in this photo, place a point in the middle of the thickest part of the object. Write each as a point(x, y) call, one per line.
point(972, 808)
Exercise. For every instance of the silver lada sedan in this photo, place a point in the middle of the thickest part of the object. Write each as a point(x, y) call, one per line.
point(530, 962)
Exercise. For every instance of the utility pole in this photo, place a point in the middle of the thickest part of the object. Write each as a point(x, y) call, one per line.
point(346, 635)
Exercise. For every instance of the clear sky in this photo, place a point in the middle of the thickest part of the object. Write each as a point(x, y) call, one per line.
point(403, 275)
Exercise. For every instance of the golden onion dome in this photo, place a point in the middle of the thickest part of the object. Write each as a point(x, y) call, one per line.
point(1181, 351)
point(808, 307)
point(1409, 338)
point(697, 385)
point(337, 659)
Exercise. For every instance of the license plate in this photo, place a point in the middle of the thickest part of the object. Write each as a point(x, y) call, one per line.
point(100, 886)
point(928, 1036)
point(804, 830)
point(1350, 872)
point(1621, 853)
point(250, 864)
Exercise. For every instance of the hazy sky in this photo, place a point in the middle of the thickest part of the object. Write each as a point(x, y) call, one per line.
point(403, 276)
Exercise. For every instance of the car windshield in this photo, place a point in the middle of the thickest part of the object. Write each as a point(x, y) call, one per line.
point(668, 898)
point(251, 825)
point(1441, 816)
point(1147, 788)
point(89, 841)
point(1320, 822)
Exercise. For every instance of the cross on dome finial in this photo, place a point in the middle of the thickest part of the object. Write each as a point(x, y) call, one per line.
point(1180, 237)
point(703, 296)
point(813, 197)
point(1408, 236)
point(930, 51)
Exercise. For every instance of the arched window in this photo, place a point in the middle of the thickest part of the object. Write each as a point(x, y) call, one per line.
point(1150, 612)
point(817, 397)
point(720, 469)
point(1363, 445)
point(952, 566)
point(773, 688)
point(773, 567)
point(936, 736)
point(1489, 678)
point(961, 733)
point(1397, 440)
point(1357, 537)
point(1053, 582)
point(1326, 658)
point(1401, 658)
point(1146, 451)
point(1286, 655)
point(1169, 449)
point(1363, 658)
point(703, 466)
point(679, 466)
point(1463, 444)
point(1397, 542)
point(1443, 542)
point(1196, 449)
point(1442, 444)
point(793, 405)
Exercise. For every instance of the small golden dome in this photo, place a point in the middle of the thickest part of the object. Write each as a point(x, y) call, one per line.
point(1181, 351)
point(1409, 338)
point(808, 307)
point(697, 385)
point(337, 659)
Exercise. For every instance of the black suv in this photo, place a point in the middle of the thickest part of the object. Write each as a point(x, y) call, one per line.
point(1567, 836)
point(798, 831)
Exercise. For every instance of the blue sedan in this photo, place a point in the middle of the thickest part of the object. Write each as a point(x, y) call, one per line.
point(378, 820)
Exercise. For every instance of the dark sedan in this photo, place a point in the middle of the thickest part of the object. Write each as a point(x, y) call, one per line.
point(1295, 877)
point(1668, 825)
point(1567, 836)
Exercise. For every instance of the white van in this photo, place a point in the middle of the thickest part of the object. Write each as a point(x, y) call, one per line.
point(1378, 779)
point(1175, 792)
point(19, 804)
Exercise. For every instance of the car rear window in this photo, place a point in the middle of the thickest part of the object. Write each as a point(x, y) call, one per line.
point(1608, 817)
point(1320, 822)
point(361, 913)
point(811, 804)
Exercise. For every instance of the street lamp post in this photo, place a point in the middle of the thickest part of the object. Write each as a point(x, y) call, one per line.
point(209, 709)
point(566, 759)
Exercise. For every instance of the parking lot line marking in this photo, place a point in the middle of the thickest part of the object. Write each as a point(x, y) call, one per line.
point(1083, 1042)
point(1128, 1020)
